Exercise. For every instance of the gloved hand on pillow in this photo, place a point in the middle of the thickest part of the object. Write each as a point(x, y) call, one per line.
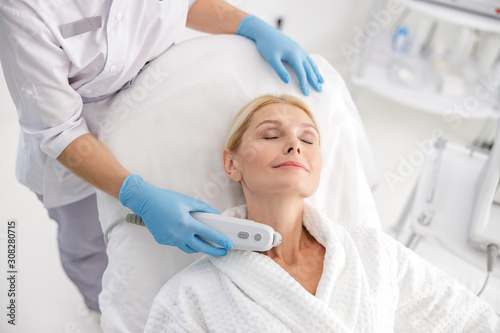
point(275, 47)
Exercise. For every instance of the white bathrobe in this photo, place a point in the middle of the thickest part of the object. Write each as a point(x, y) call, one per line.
point(370, 283)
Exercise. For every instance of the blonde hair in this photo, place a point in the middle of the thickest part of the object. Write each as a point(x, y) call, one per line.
point(242, 119)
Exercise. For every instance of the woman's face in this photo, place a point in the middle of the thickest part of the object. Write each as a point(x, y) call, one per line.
point(279, 153)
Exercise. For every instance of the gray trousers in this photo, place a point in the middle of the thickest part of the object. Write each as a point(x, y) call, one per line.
point(81, 246)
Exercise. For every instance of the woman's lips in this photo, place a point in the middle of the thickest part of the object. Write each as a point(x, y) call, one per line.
point(291, 165)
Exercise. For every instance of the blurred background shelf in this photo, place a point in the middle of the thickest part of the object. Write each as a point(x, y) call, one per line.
point(373, 73)
point(456, 16)
point(431, 73)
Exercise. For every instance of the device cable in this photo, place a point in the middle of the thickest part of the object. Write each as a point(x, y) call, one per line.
point(491, 259)
point(130, 218)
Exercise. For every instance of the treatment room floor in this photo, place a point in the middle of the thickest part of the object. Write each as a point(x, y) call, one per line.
point(46, 301)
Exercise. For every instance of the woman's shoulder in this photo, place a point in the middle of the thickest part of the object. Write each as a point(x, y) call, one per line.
point(178, 302)
point(368, 232)
point(375, 245)
point(374, 242)
point(194, 274)
point(198, 276)
point(366, 239)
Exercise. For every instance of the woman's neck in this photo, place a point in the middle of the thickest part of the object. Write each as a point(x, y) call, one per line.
point(284, 215)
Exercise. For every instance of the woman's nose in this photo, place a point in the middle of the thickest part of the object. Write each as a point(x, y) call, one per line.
point(293, 146)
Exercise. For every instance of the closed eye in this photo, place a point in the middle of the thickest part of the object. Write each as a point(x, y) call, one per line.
point(310, 143)
point(271, 138)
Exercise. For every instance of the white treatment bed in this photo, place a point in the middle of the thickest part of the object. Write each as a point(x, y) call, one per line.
point(170, 128)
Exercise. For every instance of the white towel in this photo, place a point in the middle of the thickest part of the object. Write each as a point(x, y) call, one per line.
point(370, 283)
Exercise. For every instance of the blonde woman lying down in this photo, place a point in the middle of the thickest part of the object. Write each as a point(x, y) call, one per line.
point(323, 277)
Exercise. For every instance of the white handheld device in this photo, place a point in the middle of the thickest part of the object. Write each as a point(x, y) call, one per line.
point(245, 234)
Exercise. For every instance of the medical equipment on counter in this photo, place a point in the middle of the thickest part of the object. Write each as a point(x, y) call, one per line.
point(484, 231)
point(453, 202)
point(496, 78)
point(428, 211)
point(400, 39)
point(245, 234)
point(489, 8)
point(485, 220)
point(496, 199)
point(433, 57)
point(488, 54)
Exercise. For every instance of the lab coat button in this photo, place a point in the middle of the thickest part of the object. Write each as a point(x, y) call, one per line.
point(28, 92)
point(118, 16)
point(112, 68)
point(88, 92)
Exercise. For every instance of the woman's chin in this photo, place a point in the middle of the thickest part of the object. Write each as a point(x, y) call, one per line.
point(286, 191)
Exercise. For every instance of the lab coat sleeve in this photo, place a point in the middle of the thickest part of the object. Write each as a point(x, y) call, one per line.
point(36, 71)
point(432, 301)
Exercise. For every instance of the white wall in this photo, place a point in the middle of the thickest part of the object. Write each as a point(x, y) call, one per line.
point(319, 26)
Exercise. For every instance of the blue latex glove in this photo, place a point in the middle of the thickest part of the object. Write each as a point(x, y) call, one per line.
point(275, 47)
point(166, 215)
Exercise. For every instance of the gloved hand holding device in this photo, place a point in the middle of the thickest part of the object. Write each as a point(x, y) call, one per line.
point(166, 215)
point(275, 47)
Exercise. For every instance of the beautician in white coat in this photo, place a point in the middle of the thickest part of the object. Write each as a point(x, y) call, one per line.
point(57, 55)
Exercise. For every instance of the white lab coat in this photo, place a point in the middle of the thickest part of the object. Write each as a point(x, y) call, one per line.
point(48, 74)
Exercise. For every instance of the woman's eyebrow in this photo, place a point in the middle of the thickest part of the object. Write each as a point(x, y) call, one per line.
point(269, 121)
point(278, 123)
point(307, 125)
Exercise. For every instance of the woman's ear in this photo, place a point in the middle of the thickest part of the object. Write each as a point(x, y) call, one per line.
point(230, 165)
